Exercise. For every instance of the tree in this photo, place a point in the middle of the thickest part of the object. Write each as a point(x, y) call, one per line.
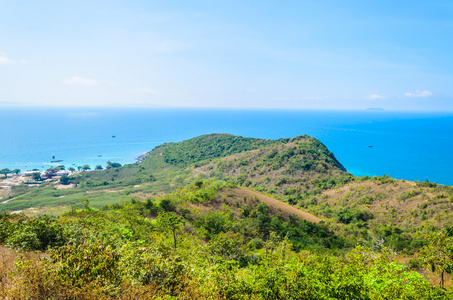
point(15, 171)
point(170, 222)
point(51, 172)
point(98, 167)
point(36, 176)
point(64, 179)
point(5, 172)
point(79, 168)
point(86, 168)
point(438, 254)
point(112, 165)
point(71, 169)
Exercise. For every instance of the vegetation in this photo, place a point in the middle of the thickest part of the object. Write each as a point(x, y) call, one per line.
point(190, 221)
point(124, 251)
point(5, 172)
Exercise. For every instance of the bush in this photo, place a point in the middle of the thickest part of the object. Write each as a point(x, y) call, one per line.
point(65, 179)
point(37, 233)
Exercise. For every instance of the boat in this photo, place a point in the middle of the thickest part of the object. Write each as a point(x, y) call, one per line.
point(370, 146)
point(113, 136)
point(58, 160)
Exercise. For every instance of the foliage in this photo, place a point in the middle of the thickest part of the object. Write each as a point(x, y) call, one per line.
point(176, 227)
point(120, 252)
point(438, 253)
point(86, 168)
point(65, 179)
point(170, 222)
point(112, 165)
point(37, 233)
point(5, 172)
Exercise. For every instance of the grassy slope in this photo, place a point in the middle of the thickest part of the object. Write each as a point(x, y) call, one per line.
point(401, 212)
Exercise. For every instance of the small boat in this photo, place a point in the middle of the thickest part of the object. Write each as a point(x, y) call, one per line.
point(58, 160)
point(370, 146)
point(99, 155)
point(113, 136)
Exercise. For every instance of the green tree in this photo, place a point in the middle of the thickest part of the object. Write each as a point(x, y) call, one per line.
point(5, 172)
point(64, 179)
point(438, 254)
point(15, 171)
point(36, 176)
point(71, 169)
point(98, 167)
point(86, 168)
point(112, 165)
point(170, 222)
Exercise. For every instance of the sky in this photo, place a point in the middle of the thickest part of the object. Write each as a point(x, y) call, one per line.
point(395, 55)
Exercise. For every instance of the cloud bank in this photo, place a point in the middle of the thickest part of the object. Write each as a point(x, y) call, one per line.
point(374, 96)
point(418, 94)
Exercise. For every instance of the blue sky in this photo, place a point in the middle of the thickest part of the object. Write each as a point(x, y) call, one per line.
point(247, 54)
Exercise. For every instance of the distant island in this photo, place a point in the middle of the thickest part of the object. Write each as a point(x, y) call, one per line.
point(375, 109)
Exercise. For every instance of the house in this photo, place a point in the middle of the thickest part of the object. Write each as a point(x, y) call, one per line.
point(63, 172)
point(30, 173)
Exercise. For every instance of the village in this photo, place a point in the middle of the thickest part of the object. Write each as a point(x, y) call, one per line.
point(34, 178)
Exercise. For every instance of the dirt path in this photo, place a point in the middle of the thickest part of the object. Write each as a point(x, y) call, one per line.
point(285, 208)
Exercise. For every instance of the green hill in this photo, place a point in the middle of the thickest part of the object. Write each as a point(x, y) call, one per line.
point(227, 217)
point(299, 171)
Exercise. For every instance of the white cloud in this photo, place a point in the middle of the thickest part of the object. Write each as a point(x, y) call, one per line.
point(6, 60)
point(83, 81)
point(374, 96)
point(419, 94)
point(145, 91)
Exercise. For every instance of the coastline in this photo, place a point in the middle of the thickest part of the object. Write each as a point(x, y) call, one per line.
point(140, 158)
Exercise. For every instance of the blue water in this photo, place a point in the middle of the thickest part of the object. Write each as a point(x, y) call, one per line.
point(411, 146)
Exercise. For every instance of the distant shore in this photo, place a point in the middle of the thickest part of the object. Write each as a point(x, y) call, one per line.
point(140, 158)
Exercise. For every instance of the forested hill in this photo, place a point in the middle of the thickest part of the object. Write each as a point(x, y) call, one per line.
point(211, 146)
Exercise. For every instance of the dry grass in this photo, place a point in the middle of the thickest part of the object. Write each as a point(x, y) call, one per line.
point(7, 258)
point(389, 200)
point(286, 209)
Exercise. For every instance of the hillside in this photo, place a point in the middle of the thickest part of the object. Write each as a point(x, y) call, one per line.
point(299, 166)
point(170, 166)
point(395, 212)
point(299, 171)
point(205, 241)
point(226, 217)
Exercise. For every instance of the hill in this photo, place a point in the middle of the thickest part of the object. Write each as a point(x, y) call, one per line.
point(226, 217)
point(299, 171)
point(170, 166)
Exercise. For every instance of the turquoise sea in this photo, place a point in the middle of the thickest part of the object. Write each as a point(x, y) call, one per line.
point(411, 146)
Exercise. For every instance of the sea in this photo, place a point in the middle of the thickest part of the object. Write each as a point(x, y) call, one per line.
point(404, 145)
